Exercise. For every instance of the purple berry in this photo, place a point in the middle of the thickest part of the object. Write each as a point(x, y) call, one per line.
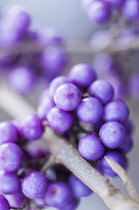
point(49, 37)
point(116, 110)
point(67, 97)
point(112, 134)
point(44, 107)
point(90, 110)
point(127, 145)
point(22, 79)
point(79, 189)
point(116, 156)
point(99, 11)
point(90, 147)
point(58, 81)
point(59, 120)
point(129, 126)
point(34, 185)
point(53, 62)
point(102, 90)
point(58, 195)
point(16, 200)
point(10, 182)
point(10, 157)
point(8, 132)
point(82, 75)
point(133, 86)
point(116, 3)
point(31, 127)
point(4, 205)
point(131, 9)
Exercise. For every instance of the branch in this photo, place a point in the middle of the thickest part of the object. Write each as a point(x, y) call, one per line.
point(126, 180)
point(105, 44)
point(68, 156)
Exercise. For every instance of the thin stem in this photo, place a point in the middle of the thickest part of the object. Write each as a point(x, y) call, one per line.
point(126, 180)
point(67, 155)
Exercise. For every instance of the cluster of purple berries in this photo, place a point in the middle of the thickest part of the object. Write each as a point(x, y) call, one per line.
point(101, 11)
point(124, 81)
point(31, 56)
point(81, 108)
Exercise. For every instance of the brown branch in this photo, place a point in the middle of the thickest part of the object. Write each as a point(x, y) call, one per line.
point(66, 154)
point(126, 180)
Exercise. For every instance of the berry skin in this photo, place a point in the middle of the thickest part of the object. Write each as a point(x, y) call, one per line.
point(127, 145)
point(10, 182)
point(31, 127)
point(90, 147)
point(79, 189)
point(115, 155)
point(112, 134)
point(34, 185)
point(99, 11)
point(58, 81)
point(4, 205)
point(10, 157)
point(59, 120)
point(58, 195)
point(67, 97)
point(22, 79)
point(44, 107)
point(8, 132)
point(16, 200)
point(90, 110)
point(131, 9)
point(116, 110)
point(82, 75)
point(102, 90)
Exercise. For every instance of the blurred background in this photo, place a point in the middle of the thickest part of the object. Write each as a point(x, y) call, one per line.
point(69, 19)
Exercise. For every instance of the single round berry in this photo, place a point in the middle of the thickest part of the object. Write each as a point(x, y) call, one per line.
point(99, 11)
point(112, 134)
point(79, 189)
point(34, 185)
point(59, 120)
point(16, 200)
point(44, 107)
point(53, 61)
point(58, 195)
point(10, 157)
point(8, 132)
point(102, 90)
point(4, 205)
point(31, 127)
point(67, 97)
point(90, 147)
point(58, 81)
point(82, 75)
point(116, 110)
point(114, 155)
point(10, 182)
point(22, 79)
point(127, 145)
point(90, 110)
point(131, 9)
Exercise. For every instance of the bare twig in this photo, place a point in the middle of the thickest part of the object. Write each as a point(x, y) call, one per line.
point(51, 161)
point(68, 156)
point(108, 45)
point(126, 180)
